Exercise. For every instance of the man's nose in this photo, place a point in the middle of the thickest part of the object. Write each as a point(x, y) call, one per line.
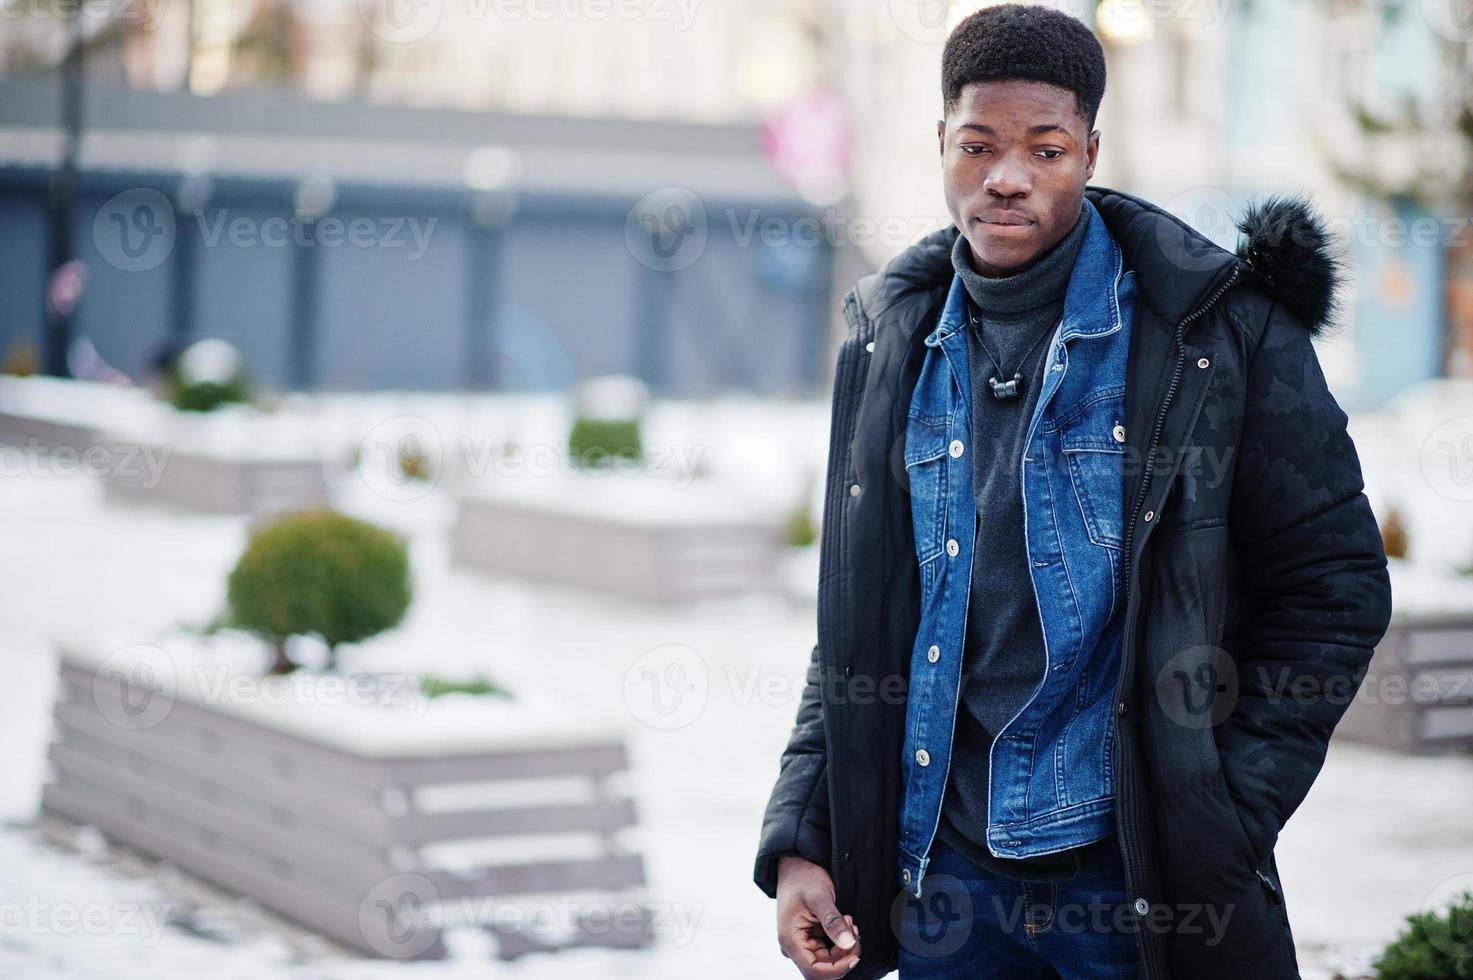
point(1008, 178)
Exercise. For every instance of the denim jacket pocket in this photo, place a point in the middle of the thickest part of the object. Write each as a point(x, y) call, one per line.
point(1092, 443)
point(925, 466)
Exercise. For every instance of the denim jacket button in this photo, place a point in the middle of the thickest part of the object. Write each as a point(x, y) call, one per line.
point(1202, 362)
point(933, 654)
point(923, 757)
point(853, 489)
point(1121, 708)
point(952, 547)
point(1150, 514)
point(905, 875)
point(1119, 433)
point(956, 449)
point(1142, 906)
point(870, 346)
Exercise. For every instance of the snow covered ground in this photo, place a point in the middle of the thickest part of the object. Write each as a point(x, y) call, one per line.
point(72, 563)
point(1380, 834)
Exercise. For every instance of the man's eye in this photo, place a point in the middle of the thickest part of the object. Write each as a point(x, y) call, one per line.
point(972, 150)
point(1056, 154)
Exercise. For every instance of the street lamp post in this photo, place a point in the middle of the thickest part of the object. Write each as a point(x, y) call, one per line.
point(57, 304)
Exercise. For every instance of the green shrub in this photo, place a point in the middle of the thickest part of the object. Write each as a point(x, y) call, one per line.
point(206, 396)
point(434, 686)
point(1433, 946)
point(596, 442)
point(802, 529)
point(319, 572)
point(204, 375)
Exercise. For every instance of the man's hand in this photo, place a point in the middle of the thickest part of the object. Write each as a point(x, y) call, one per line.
point(810, 929)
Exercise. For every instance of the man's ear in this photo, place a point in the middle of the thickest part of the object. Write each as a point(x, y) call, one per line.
point(1092, 154)
point(941, 136)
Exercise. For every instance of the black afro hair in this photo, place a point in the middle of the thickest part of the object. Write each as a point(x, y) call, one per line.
point(1024, 41)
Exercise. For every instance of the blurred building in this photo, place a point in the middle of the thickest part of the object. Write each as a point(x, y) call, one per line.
point(592, 192)
point(631, 59)
point(348, 246)
point(578, 109)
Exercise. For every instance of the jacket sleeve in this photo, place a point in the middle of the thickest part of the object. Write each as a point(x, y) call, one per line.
point(1315, 566)
point(797, 817)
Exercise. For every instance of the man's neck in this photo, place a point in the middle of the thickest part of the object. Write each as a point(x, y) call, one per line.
point(1041, 283)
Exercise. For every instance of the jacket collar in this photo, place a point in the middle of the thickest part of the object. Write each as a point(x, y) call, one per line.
point(1177, 268)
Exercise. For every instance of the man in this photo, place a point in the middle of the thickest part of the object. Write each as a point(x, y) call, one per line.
point(1098, 577)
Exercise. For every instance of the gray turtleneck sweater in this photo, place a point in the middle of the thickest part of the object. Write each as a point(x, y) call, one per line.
point(1003, 657)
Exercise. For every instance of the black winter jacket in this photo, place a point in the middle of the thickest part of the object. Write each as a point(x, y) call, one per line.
point(1257, 587)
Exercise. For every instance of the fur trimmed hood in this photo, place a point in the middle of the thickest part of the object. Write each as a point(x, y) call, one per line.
point(1290, 250)
point(1286, 249)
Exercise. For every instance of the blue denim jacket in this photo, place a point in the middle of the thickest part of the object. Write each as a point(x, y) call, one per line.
point(1051, 785)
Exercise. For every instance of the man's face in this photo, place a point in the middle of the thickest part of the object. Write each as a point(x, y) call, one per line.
point(1015, 157)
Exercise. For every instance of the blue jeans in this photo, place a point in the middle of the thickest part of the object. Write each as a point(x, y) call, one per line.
point(970, 922)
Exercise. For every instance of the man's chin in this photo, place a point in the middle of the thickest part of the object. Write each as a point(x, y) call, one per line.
point(1002, 259)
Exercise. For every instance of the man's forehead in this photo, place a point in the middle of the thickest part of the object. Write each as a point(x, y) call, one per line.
point(1046, 105)
point(1016, 88)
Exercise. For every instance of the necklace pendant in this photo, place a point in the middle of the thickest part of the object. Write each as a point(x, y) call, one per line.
point(1005, 390)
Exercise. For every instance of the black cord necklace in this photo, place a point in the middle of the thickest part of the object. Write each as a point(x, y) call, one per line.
point(1003, 390)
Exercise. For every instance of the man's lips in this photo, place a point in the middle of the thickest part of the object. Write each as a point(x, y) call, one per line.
point(1005, 227)
point(1004, 220)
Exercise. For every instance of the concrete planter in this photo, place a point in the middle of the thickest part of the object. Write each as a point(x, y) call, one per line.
point(214, 483)
point(235, 460)
point(334, 819)
point(1418, 693)
point(238, 459)
point(640, 537)
point(50, 414)
point(21, 429)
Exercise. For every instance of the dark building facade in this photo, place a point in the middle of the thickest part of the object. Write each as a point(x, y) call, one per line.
point(347, 246)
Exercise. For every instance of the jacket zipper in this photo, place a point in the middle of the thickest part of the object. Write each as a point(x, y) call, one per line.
point(1131, 822)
